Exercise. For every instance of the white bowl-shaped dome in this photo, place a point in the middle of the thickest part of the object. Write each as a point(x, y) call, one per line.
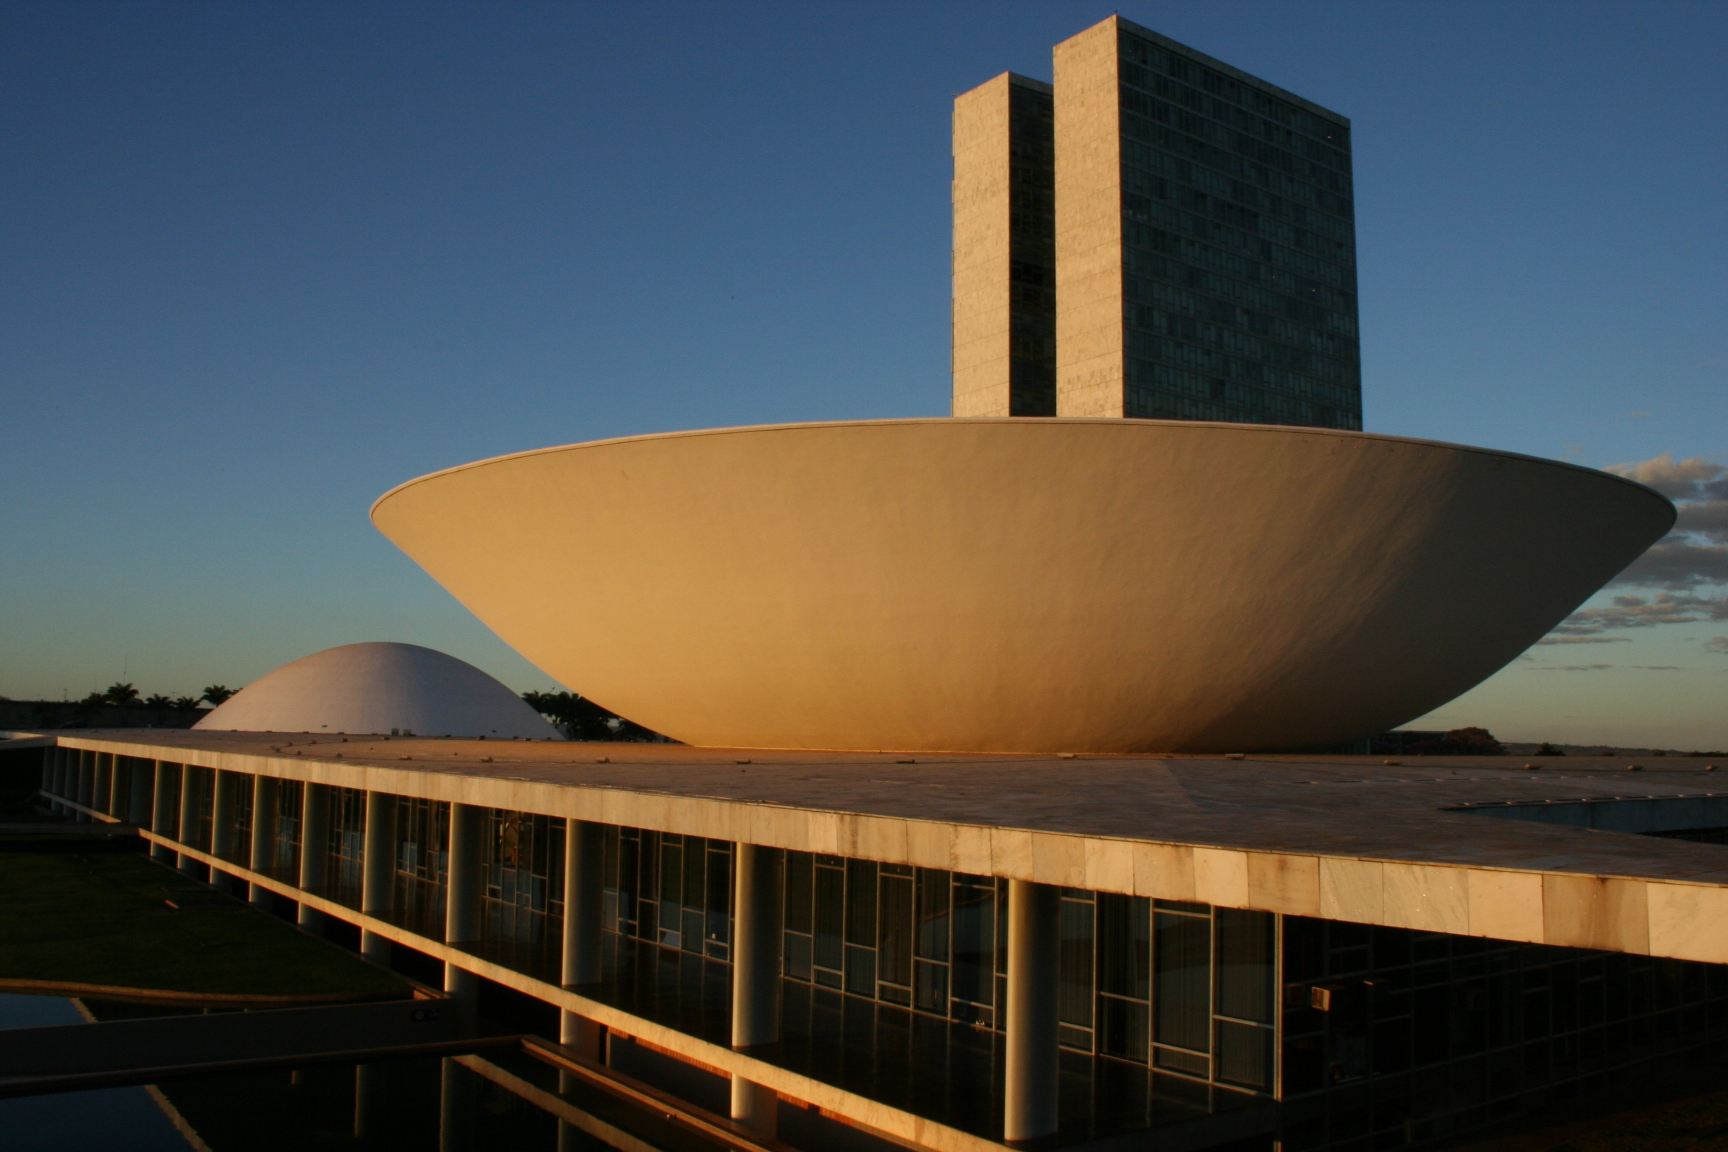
point(380, 687)
point(1030, 585)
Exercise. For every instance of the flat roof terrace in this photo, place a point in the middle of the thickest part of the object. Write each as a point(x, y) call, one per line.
point(1407, 845)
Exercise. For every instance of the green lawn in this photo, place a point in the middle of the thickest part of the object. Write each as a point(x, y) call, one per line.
point(95, 915)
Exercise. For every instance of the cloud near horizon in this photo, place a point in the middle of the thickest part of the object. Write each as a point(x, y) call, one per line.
point(1696, 551)
point(1587, 624)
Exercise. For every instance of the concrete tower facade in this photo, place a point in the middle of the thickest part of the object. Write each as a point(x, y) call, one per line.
point(1004, 336)
point(1203, 239)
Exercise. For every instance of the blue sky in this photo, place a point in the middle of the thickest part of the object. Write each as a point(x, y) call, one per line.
point(264, 261)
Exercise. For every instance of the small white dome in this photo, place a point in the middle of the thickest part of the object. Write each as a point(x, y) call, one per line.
point(379, 688)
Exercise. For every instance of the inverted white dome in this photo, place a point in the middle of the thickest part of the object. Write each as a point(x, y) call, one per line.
point(377, 688)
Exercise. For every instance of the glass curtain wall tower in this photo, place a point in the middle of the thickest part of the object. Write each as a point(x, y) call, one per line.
point(1202, 235)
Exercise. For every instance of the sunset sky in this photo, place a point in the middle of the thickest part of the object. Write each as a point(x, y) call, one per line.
point(265, 261)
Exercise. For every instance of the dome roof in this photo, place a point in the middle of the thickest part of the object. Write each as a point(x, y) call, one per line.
point(376, 688)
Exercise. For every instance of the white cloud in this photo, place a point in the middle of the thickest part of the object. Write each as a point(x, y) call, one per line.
point(1637, 612)
point(1717, 644)
point(1696, 551)
point(1585, 640)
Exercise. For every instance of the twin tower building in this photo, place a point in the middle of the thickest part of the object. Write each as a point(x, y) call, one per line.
point(1155, 235)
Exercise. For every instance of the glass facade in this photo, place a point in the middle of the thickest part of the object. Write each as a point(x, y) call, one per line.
point(1239, 252)
point(1395, 1037)
point(1368, 1037)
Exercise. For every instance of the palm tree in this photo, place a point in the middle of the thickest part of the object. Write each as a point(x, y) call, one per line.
point(185, 703)
point(217, 693)
point(158, 701)
point(121, 695)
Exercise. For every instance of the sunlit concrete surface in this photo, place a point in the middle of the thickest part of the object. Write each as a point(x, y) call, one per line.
point(1033, 585)
point(1344, 838)
point(380, 687)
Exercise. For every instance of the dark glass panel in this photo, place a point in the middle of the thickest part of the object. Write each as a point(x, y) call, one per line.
point(797, 956)
point(1123, 1028)
point(894, 936)
point(974, 939)
point(933, 900)
point(1182, 981)
point(932, 990)
point(1124, 944)
point(1074, 964)
point(1245, 1055)
point(861, 902)
point(798, 883)
point(830, 917)
point(1245, 964)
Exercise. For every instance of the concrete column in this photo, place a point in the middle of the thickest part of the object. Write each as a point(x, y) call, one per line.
point(755, 1107)
point(1034, 930)
point(186, 825)
point(314, 848)
point(756, 947)
point(263, 846)
point(456, 1095)
point(369, 1117)
point(755, 975)
point(378, 870)
point(163, 814)
point(116, 797)
point(102, 781)
point(462, 905)
point(224, 830)
point(86, 780)
point(584, 896)
point(142, 777)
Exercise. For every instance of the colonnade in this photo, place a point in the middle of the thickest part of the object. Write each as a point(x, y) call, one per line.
point(163, 796)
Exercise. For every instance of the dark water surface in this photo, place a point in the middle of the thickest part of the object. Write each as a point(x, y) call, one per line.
point(491, 1100)
point(113, 1119)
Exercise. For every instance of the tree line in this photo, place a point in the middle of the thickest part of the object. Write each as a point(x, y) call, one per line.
point(122, 695)
point(579, 718)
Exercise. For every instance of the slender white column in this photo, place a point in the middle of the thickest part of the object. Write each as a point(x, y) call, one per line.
point(755, 975)
point(186, 825)
point(584, 896)
point(314, 848)
point(224, 829)
point(1034, 931)
point(378, 870)
point(101, 778)
point(456, 1093)
point(116, 798)
point(163, 817)
point(86, 781)
point(462, 905)
point(263, 848)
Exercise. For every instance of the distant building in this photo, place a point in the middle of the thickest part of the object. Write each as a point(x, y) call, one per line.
point(1199, 225)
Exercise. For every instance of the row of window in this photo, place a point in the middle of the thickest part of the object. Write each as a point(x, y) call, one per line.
point(1219, 351)
point(1337, 244)
point(1254, 284)
point(1228, 403)
point(1229, 117)
point(1135, 50)
point(1183, 302)
point(1262, 381)
point(1266, 262)
point(1139, 133)
point(1332, 216)
point(1331, 171)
